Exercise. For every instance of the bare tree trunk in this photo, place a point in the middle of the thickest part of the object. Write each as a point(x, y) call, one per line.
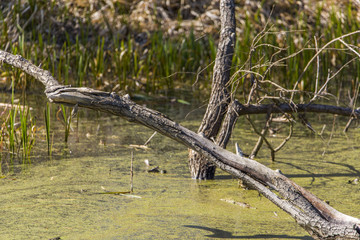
point(200, 167)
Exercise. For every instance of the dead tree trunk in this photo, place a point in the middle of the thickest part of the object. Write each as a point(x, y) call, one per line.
point(200, 167)
point(314, 215)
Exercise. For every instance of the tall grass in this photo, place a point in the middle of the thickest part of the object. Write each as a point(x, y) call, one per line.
point(163, 64)
point(48, 128)
point(11, 125)
point(27, 133)
point(17, 135)
point(67, 117)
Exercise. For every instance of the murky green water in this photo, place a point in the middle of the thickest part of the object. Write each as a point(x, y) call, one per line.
point(62, 196)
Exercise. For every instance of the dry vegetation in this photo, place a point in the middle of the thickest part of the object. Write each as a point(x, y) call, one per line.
point(173, 17)
point(152, 45)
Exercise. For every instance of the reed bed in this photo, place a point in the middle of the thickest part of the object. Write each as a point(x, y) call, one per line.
point(137, 60)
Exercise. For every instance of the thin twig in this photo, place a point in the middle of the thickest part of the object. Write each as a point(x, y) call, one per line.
point(261, 135)
point(317, 94)
point(331, 135)
point(150, 138)
point(350, 48)
point(353, 106)
point(315, 56)
point(287, 138)
point(131, 171)
point(317, 66)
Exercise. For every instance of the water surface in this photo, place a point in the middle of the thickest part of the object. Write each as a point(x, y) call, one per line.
point(63, 196)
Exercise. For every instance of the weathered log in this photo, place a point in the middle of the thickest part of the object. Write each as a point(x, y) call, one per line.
point(318, 218)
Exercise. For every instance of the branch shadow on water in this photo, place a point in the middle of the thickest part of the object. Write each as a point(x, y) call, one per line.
point(217, 233)
point(351, 171)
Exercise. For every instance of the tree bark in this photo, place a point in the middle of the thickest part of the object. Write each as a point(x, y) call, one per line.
point(200, 167)
point(314, 215)
point(241, 109)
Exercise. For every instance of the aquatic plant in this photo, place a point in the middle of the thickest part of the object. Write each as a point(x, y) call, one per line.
point(65, 119)
point(11, 124)
point(47, 126)
point(27, 133)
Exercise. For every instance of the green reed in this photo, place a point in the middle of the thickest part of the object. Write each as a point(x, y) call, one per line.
point(11, 124)
point(66, 121)
point(47, 127)
point(27, 133)
point(18, 133)
point(66, 117)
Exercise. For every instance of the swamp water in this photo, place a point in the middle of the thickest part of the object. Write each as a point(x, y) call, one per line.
point(64, 196)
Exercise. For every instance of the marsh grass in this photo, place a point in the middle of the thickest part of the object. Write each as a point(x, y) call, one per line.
point(48, 128)
point(159, 64)
point(27, 133)
point(66, 117)
point(11, 125)
point(18, 134)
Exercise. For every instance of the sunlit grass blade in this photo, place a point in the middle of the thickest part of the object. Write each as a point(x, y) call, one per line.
point(47, 126)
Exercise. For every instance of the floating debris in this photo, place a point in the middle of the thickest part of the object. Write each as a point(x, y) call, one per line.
point(139, 146)
point(55, 238)
point(154, 170)
point(241, 204)
point(355, 181)
point(115, 193)
point(147, 162)
point(124, 193)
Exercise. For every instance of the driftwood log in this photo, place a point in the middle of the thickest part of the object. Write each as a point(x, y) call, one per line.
point(314, 215)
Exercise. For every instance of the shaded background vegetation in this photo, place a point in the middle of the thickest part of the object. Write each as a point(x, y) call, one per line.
point(156, 47)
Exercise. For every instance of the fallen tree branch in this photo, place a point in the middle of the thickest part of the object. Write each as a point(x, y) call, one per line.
point(298, 108)
point(318, 218)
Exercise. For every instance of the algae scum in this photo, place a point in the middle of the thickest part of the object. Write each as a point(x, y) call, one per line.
point(64, 196)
